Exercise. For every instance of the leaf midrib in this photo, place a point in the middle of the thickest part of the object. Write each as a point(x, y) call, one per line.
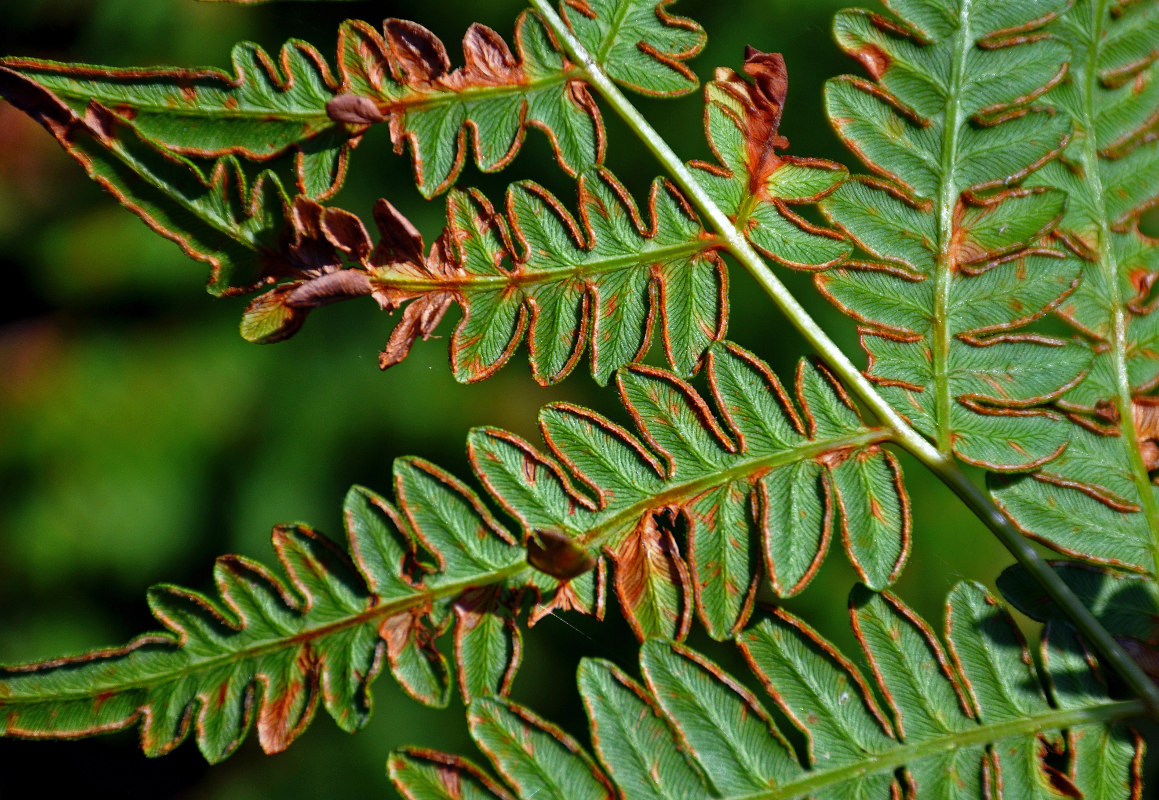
point(613, 32)
point(606, 526)
point(945, 263)
point(610, 522)
point(982, 734)
point(420, 102)
point(468, 281)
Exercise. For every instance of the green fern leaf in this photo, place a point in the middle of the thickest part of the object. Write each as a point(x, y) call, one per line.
point(405, 78)
point(561, 279)
point(1098, 501)
point(402, 76)
point(536, 758)
point(429, 775)
point(608, 276)
point(532, 271)
point(600, 282)
point(767, 481)
point(438, 559)
point(268, 653)
point(952, 268)
point(954, 724)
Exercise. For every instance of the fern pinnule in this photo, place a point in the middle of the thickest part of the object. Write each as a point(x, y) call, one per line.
point(954, 722)
point(952, 268)
point(754, 183)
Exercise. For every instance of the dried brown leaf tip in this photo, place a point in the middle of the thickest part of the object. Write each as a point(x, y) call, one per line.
point(417, 60)
point(329, 257)
point(651, 578)
point(317, 247)
point(764, 101)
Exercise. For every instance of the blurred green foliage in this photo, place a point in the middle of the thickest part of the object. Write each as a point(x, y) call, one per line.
point(140, 437)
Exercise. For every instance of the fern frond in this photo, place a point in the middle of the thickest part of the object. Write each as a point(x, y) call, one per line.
point(402, 77)
point(532, 270)
point(954, 724)
point(953, 268)
point(269, 652)
point(770, 478)
point(599, 282)
point(638, 43)
point(562, 279)
point(1098, 501)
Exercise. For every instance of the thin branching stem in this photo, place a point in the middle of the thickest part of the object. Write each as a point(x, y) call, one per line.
point(943, 465)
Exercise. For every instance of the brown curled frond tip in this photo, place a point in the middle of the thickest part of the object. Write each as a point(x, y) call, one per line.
point(764, 103)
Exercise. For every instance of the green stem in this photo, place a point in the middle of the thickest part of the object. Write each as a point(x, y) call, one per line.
point(529, 273)
point(946, 263)
point(943, 465)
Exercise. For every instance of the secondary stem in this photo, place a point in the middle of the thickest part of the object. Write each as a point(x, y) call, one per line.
point(941, 464)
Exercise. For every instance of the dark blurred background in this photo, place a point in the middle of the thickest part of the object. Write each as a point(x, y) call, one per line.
point(140, 437)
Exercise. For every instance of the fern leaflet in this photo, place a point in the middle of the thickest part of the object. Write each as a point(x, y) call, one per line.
point(597, 283)
point(954, 724)
point(268, 653)
point(438, 557)
point(1098, 501)
point(952, 270)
